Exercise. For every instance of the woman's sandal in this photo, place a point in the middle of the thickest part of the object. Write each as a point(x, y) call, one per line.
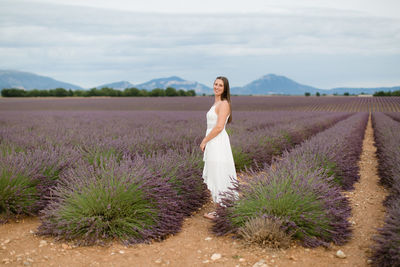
point(210, 215)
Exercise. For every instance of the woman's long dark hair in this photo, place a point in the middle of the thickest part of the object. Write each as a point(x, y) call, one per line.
point(226, 95)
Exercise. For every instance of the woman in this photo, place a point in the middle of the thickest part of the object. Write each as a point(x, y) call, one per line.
point(219, 167)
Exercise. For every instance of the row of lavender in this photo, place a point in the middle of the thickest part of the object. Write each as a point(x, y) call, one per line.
point(259, 146)
point(299, 196)
point(394, 115)
point(387, 138)
point(97, 176)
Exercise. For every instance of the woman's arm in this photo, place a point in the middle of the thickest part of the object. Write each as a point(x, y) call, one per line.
point(222, 112)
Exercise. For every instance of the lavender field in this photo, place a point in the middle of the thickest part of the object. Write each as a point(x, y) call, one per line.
point(240, 103)
point(100, 169)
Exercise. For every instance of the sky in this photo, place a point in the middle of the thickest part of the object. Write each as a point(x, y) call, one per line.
point(322, 43)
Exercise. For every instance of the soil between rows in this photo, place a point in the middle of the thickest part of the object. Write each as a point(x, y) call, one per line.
point(195, 244)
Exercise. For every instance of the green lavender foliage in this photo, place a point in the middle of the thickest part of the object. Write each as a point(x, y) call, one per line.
point(18, 194)
point(111, 200)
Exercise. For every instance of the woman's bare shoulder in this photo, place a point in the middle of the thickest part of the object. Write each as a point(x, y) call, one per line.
point(225, 103)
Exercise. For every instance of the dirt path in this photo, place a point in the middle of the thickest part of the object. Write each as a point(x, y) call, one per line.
point(195, 245)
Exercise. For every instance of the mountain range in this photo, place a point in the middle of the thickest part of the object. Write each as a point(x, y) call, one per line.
point(173, 81)
point(272, 84)
point(28, 81)
point(266, 85)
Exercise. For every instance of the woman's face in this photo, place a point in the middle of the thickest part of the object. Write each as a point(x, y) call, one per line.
point(218, 87)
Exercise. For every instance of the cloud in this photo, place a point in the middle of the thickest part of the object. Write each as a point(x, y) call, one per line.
point(383, 8)
point(61, 38)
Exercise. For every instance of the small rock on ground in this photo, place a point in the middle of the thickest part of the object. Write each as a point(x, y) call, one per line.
point(340, 254)
point(216, 256)
point(42, 243)
point(260, 263)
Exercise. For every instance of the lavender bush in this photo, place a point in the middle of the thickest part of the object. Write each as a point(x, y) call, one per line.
point(312, 209)
point(95, 203)
point(387, 141)
point(336, 150)
point(387, 243)
point(26, 178)
point(259, 147)
point(394, 115)
point(302, 188)
point(18, 182)
point(182, 169)
point(388, 151)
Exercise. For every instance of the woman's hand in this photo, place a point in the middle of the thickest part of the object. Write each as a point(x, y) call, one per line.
point(203, 145)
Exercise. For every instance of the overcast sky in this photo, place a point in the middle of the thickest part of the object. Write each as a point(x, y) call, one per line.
point(90, 42)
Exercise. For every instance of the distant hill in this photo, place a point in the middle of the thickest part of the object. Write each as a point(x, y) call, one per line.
point(28, 81)
point(175, 82)
point(273, 84)
point(117, 85)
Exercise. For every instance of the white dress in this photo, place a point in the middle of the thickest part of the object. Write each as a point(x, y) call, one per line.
point(219, 167)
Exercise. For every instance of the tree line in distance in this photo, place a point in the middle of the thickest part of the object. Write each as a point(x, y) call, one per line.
point(105, 91)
